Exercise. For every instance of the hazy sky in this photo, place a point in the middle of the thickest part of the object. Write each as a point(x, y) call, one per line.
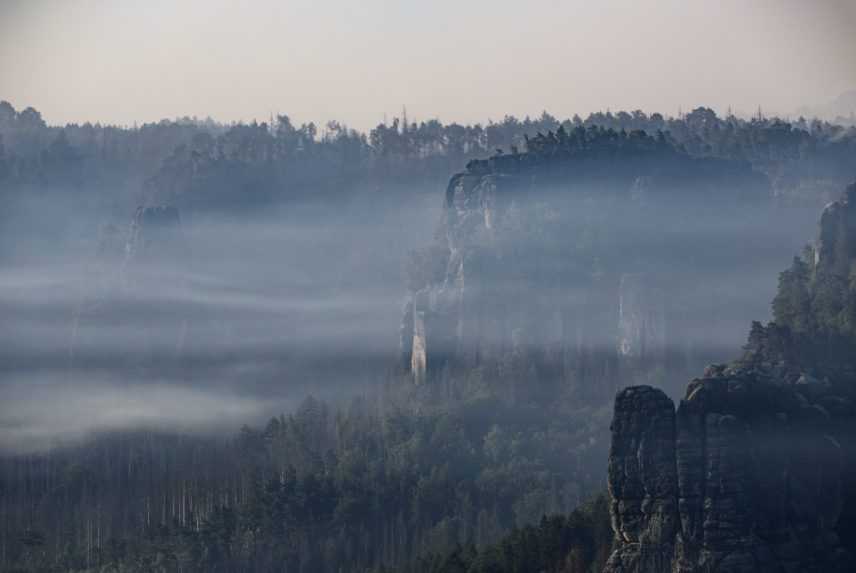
point(122, 61)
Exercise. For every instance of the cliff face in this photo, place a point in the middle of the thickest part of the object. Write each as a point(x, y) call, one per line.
point(746, 476)
point(493, 293)
point(643, 480)
point(544, 275)
point(753, 472)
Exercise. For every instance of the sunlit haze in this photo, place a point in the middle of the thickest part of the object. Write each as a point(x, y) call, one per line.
point(124, 61)
point(423, 286)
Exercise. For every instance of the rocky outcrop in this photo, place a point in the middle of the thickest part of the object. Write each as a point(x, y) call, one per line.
point(642, 480)
point(746, 476)
point(488, 296)
point(753, 472)
point(540, 277)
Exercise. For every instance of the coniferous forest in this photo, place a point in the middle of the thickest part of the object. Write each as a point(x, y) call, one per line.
point(488, 464)
point(451, 340)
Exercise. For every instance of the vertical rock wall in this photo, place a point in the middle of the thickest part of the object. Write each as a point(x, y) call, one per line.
point(643, 481)
point(745, 477)
point(753, 473)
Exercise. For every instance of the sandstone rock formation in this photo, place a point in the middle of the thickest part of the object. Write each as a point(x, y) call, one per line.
point(489, 295)
point(747, 476)
point(541, 277)
point(643, 480)
point(754, 471)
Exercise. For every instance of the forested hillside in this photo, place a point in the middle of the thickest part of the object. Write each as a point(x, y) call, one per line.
point(210, 165)
point(317, 490)
point(249, 265)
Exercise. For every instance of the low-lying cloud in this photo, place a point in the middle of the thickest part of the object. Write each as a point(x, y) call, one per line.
point(38, 414)
point(243, 316)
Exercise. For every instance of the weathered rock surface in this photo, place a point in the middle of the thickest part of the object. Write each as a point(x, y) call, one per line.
point(545, 273)
point(642, 479)
point(747, 476)
point(753, 472)
point(492, 294)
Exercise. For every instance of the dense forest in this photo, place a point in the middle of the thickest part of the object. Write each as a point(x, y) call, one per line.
point(482, 465)
point(207, 165)
point(316, 490)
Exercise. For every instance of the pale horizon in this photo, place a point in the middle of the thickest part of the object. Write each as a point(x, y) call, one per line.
point(123, 63)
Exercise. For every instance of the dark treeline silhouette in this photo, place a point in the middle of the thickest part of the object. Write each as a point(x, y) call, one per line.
point(209, 165)
point(576, 543)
